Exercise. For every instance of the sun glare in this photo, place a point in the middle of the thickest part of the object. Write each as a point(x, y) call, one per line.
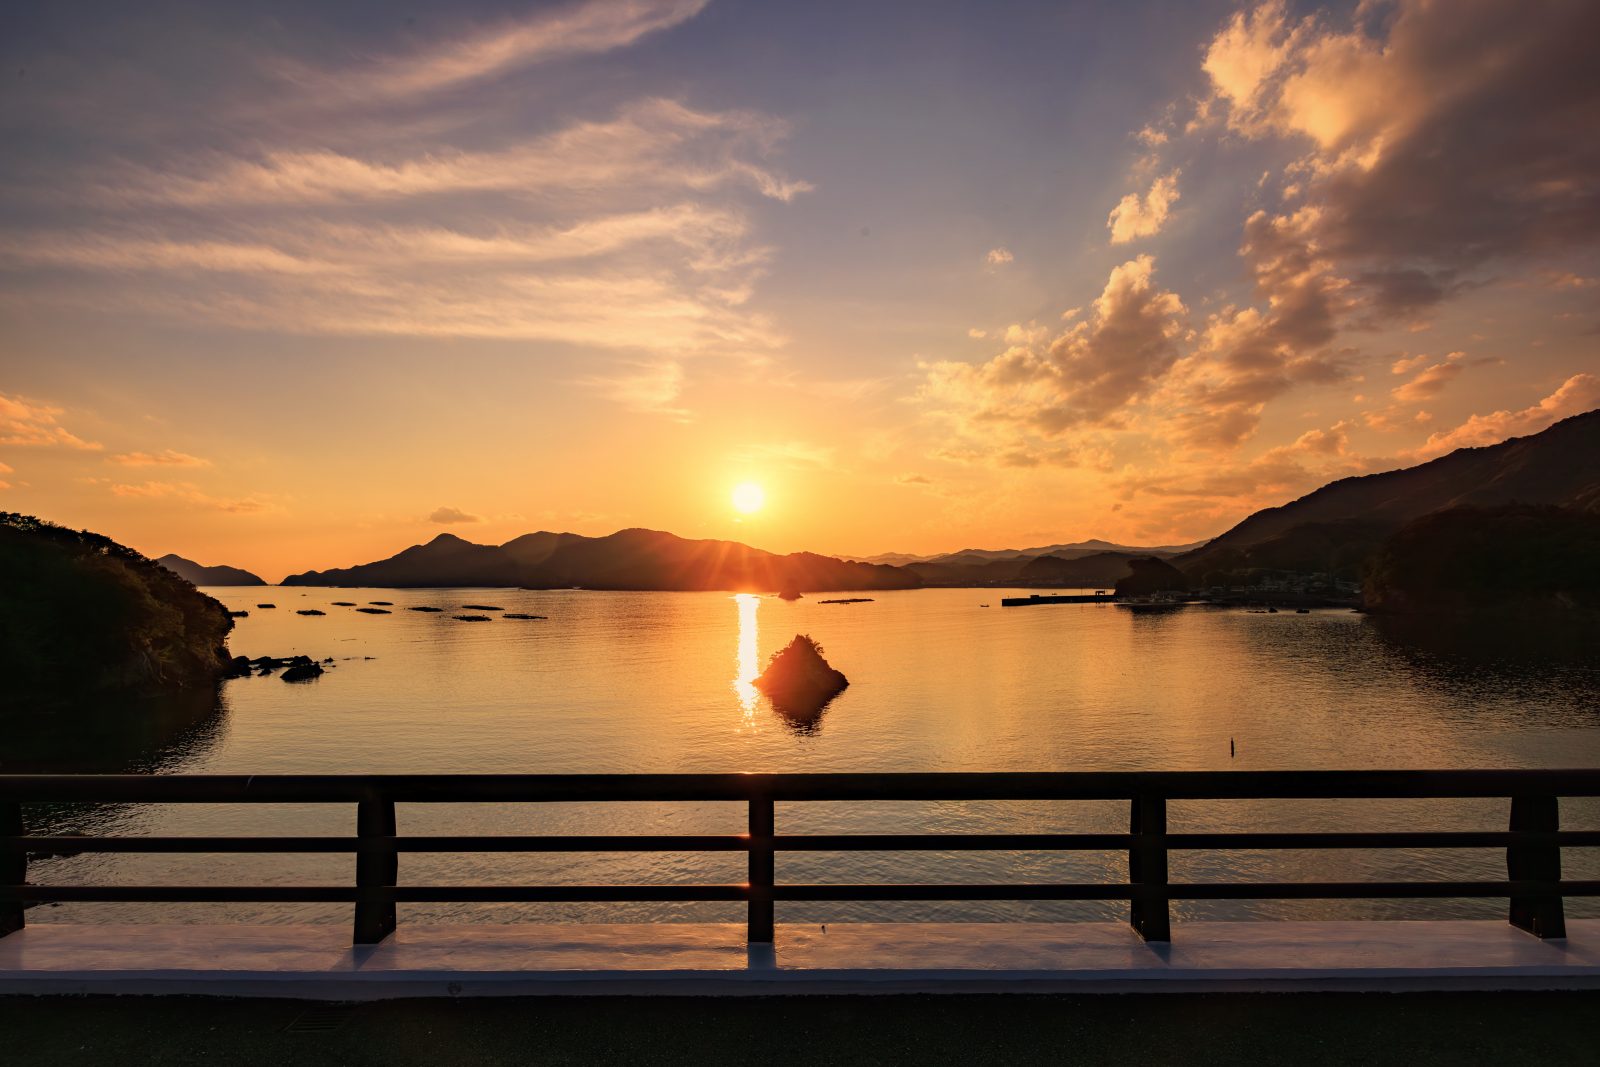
point(748, 498)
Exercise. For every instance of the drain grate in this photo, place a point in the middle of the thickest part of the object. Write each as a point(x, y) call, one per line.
point(320, 1020)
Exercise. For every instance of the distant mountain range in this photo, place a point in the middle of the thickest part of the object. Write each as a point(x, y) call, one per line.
point(1335, 529)
point(1078, 564)
point(627, 559)
point(1342, 524)
point(195, 574)
point(651, 559)
point(1074, 550)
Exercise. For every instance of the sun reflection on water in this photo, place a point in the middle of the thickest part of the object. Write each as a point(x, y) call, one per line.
point(747, 658)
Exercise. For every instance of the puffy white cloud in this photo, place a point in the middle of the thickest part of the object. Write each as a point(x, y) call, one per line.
point(1251, 48)
point(998, 257)
point(1137, 216)
point(1248, 356)
point(1443, 137)
point(1086, 375)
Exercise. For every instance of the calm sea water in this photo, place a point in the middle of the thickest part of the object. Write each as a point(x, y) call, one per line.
point(623, 682)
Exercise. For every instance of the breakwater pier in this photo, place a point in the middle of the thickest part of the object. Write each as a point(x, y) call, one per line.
point(1099, 596)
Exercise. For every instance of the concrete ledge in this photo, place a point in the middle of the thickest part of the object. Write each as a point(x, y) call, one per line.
point(317, 962)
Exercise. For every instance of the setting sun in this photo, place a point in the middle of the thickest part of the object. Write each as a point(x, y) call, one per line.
point(748, 498)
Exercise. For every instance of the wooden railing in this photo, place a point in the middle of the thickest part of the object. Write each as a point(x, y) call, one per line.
point(1533, 840)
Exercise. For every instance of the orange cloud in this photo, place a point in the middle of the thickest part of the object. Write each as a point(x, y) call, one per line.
point(30, 423)
point(1423, 167)
point(1431, 380)
point(189, 494)
point(1136, 216)
point(449, 515)
point(1084, 376)
point(165, 458)
point(1249, 356)
point(1577, 394)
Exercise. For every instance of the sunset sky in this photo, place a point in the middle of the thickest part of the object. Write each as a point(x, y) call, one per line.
point(292, 285)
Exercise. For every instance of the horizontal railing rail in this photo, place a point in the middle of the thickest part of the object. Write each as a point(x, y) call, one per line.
point(1533, 840)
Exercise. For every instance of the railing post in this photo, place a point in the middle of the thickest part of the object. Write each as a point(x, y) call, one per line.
point(758, 925)
point(377, 867)
point(1541, 912)
point(13, 864)
point(1147, 868)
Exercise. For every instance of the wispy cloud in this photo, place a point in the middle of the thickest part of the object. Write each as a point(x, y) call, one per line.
point(710, 237)
point(31, 423)
point(165, 458)
point(190, 495)
point(1430, 381)
point(587, 27)
point(650, 145)
point(1577, 394)
point(649, 388)
point(787, 454)
point(446, 516)
point(620, 233)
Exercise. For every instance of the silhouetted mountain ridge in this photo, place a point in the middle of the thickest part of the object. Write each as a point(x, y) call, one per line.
point(1340, 525)
point(635, 559)
point(196, 574)
point(1070, 550)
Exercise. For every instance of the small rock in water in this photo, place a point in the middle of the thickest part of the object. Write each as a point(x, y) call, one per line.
point(344, 603)
point(266, 606)
point(424, 609)
point(375, 611)
point(310, 611)
point(798, 679)
point(238, 667)
point(514, 615)
point(470, 618)
point(382, 603)
point(481, 607)
point(238, 614)
point(302, 672)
